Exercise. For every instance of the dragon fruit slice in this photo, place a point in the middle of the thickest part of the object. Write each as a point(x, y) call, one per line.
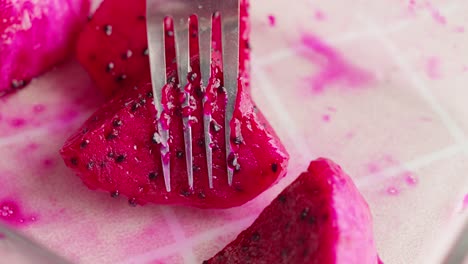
point(320, 218)
point(34, 36)
point(116, 149)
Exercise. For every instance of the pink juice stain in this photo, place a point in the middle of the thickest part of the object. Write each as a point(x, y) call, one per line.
point(436, 15)
point(319, 15)
point(334, 67)
point(465, 202)
point(272, 20)
point(17, 122)
point(410, 179)
point(433, 68)
point(11, 213)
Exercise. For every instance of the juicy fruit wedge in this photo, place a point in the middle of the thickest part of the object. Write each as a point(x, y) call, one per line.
point(113, 46)
point(116, 151)
point(34, 36)
point(320, 218)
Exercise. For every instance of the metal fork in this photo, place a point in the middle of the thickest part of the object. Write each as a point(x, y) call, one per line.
point(180, 11)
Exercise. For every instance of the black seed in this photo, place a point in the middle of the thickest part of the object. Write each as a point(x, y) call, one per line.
point(84, 143)
point(255, 236)
point(247, 44)
point(121, 78)
point(196, 168)
point(103, 164)
point(90, 165)
point(170, 33)
point(284, 253)
point(135, 106)
point(201, 142)
point(120, 159)
point(127, 55)
point(201, 195)
point(274, 167)
point(74, 161)
point(90, 17)
point(108, 30)
point(16, 84)
point(149, 95)
point(114, 194)
point(221, 90)
point(199, 92)
point(146, 52)
point(110, 66)
point(117, 123)
point(245, 248)
point(238, 188)
point(141, 17)
point(304, 213)
point(112, 135)
point(185, 193)
point(110, 155)
point(179, 154)
point(215, 126)
point(312, 220)
point(282, 198)
point(237, 140)
point(132, 202)
point(152, 175)
point(192, 76)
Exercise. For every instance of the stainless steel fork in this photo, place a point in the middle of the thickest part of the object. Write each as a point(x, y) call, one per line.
point(180, 11)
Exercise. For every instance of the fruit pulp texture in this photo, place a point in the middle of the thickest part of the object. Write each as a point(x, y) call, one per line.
point(132, 165)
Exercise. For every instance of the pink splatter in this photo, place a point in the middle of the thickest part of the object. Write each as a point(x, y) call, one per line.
point(17, 122)
point(373, 167)
point(465, 201)
point(319, 15)
point(433, 68)
point(436, 15)
point(392, 190)
point(326, 118)
point(334, 67)
point(349, 135)
point(39, 108)
point(48, 163)
point(272, 20)
point(465, 68)
point(459, 29)
point(11, 213)
point(410, 179)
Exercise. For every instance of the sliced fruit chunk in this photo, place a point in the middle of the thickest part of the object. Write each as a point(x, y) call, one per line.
point(320, 218)
point(34, 36)
point(113, 46)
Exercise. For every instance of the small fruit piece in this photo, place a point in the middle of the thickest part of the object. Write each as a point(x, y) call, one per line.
point(113, 46)
point(320, 218)
point(34, 36)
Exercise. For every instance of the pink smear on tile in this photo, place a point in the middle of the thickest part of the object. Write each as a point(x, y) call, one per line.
point(410, 179)
point(392, 190)
point(433, 68)
point(326, 118)
point(465, 202)
point(465, 68)
point(349, 135)
point(319, 15)
point(69, 115)
point(48, 163)
point(334, 67)
point(436, 15)
point(459, 29)
point(11, 213)
point(272, 20)
point(17, 122)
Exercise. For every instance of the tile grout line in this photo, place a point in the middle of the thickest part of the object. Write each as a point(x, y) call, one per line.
point(285, 119)
point(418, 84)
point(176, 230)
point(284, 53)
point(173, 248)
point(412, 165)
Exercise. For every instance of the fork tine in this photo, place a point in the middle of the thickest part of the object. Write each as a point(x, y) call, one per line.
point(230, 45)
point(204, 38)
point(158, 71)
point(181, 30)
